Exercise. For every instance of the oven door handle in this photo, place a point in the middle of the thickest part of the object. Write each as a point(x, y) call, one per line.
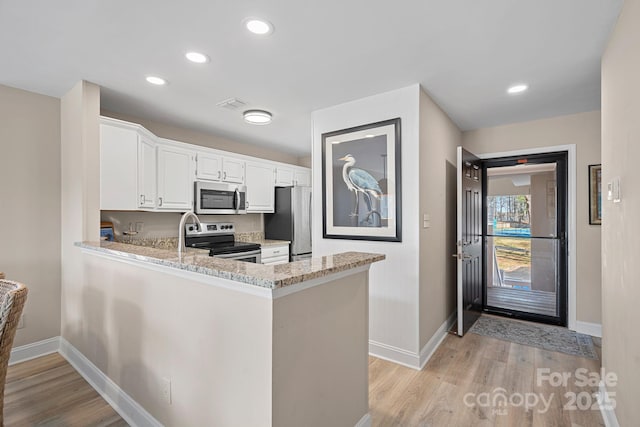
point(247, 254)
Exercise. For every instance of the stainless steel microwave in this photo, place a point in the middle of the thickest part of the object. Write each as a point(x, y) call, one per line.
point(215, 198)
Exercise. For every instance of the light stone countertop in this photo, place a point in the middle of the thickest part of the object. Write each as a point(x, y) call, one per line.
point(265, 243)
point(258, 237)
point(268, 276)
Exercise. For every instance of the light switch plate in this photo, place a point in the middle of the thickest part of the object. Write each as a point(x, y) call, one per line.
point(613, 190)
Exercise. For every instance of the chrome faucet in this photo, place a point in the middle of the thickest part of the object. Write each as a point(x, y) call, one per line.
point(183, 221)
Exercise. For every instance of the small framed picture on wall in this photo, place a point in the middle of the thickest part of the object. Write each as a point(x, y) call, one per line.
point(595, 194)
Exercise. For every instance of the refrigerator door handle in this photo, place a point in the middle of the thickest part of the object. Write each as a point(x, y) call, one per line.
point(310, 228)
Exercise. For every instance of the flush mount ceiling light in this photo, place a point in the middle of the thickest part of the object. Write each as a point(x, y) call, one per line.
point(197, 57)
point(158, 81)
point(519, 88)
point(258, 26)
point(257, 117)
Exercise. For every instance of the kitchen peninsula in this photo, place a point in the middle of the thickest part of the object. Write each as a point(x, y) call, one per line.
point(239, 343)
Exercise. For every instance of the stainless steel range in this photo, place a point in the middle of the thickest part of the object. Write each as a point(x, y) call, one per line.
point(219, 238)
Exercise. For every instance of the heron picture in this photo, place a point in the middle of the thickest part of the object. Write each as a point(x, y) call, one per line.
point(361, 171)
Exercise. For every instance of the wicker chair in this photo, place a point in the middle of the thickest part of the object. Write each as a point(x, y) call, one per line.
point(12, 298)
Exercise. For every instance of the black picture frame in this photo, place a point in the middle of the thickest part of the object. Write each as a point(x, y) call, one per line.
point(595, 194)
point(374, 214)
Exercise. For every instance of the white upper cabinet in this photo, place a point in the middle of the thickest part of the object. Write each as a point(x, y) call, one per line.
point(127, 167)
point(176, 175)
point(260, 187)
point(209, 166)
point(284, 176)
point(139, 171)
point(287, 176)
point(233, 170)
point(302, 177)
point(147, 172)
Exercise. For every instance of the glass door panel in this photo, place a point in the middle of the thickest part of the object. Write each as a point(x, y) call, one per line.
point(524, 238)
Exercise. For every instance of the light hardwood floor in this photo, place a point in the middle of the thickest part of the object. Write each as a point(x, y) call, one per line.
point(48, 392)
point(470, 366)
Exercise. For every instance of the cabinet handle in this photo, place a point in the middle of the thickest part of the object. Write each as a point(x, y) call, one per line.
point(142, 199)
point(160, 201)
point(225, 175)
point(219, 173)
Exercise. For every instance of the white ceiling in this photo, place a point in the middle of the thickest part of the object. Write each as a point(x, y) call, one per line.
point(464, 53)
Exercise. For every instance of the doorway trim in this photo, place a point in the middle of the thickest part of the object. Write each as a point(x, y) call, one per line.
point(572, 215)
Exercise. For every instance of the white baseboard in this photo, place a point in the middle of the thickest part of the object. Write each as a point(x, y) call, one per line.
point(33, 350)
point(408, 358)
point(434, 342)
point(365, 421)
point(129, 409)
point(394, 354)
point(608, 413)
point(593, 329)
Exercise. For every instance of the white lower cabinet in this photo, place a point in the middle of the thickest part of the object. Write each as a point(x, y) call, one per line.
point(260, 187)
point(176, 174)
point(272, 255)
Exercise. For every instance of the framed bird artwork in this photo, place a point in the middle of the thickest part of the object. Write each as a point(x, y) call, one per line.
point(361, 183)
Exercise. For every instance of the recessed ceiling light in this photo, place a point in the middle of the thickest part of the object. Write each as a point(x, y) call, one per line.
point(158, 81)
point(258, 26)
point(197, 57)
point(519, 88)
point(257, 117)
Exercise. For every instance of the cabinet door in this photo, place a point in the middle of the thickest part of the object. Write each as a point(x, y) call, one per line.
point(127, 169)
point(260, 187)
point(175, 178)
point(118, 168)
point(302, 177)
point(209, 167)
point(233, 170)
point(146, 173)
point(284, 177)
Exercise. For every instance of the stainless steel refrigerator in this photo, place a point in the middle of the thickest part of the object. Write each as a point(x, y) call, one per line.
point(291, 220)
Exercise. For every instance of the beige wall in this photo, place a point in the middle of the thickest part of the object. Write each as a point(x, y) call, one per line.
point(206, 140)
point(621, 221)
point(583, 130)
point(140, 326)
point(30, 199)
point(439, 138)
point(320, 355)
point(304, 161)
point(80, 188)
